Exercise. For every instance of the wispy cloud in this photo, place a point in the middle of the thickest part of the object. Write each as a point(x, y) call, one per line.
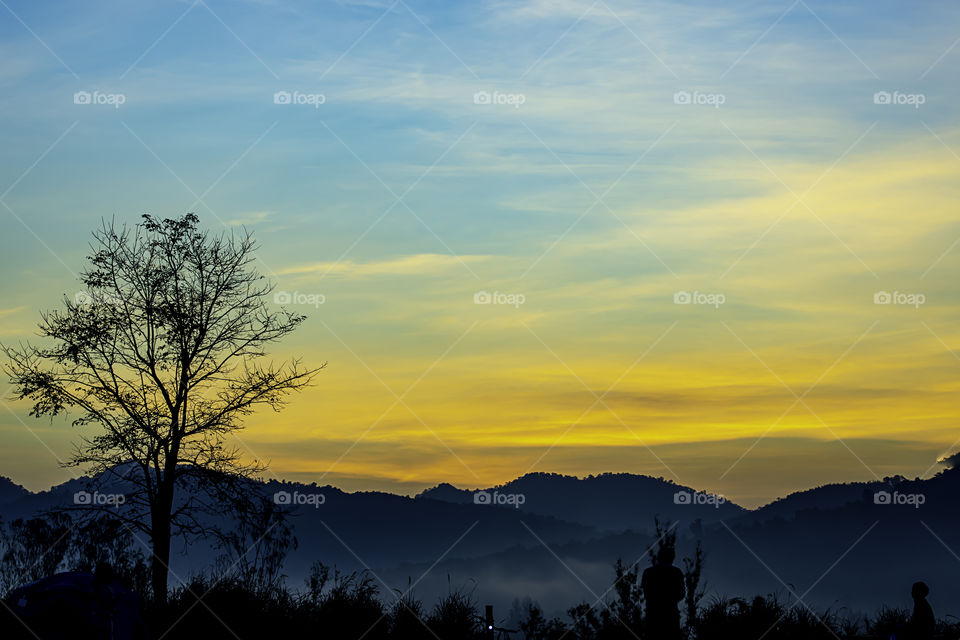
point(420, 264)
point(251, 217)
point(11, 311)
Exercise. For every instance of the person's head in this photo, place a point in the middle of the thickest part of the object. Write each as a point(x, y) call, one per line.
point(920, 590)
point(665, 555)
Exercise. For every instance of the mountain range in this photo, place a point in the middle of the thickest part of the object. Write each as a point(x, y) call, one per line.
point(554, 538)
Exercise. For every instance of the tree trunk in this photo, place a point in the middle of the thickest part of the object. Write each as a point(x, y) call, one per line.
point(160, 562)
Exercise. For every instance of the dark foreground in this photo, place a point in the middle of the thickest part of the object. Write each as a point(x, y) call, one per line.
point(352, 606)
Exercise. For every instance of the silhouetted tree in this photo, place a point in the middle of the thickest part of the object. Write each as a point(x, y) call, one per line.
point(534, 625)
point(623, 617)
point(255, 549)
point(34, 548)
point(666, 539)
point(693, 591)
point(586, 625)
point(106, 540)
point(162, 354)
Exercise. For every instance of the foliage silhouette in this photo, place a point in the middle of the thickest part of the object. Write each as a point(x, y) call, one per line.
point(161, 353)
point(348, 605)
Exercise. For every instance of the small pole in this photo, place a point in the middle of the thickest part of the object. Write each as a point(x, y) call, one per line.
point(489, 622)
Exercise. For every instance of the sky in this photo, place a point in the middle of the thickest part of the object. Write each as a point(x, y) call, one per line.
point(713, 242)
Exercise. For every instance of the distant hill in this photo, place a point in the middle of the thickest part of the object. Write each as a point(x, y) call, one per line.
point(382, 529)
point(856, 552)
point(849, 547)
point(609, 501)
point(10, 491)
point(827, 496)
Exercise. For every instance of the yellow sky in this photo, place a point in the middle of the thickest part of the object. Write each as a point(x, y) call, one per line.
point(691, 387)
point(701, 395)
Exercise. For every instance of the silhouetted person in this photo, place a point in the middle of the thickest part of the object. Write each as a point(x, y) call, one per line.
point(922, 622)
point(662, 586)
